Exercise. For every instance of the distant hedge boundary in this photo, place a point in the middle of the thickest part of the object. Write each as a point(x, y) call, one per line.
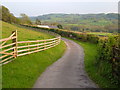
point(71, 34)
point(108, 50)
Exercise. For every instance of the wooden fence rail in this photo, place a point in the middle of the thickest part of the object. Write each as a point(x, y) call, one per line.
point(9, 51)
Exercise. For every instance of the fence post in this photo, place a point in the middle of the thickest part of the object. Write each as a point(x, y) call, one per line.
point(44, 44)
point(59, 39)
point(15, 45)
point(28, 47)
point(53, 42)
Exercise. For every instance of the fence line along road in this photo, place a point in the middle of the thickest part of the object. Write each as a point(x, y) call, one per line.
point(11, 50)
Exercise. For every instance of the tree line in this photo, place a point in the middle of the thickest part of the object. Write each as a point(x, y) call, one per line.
point(7, 16)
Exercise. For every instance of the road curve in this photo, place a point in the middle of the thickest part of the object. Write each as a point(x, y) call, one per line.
point(68, 71)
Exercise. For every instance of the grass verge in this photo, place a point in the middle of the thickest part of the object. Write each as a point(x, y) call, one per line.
point(94, 71)
point(24, 71)
point(23, 33)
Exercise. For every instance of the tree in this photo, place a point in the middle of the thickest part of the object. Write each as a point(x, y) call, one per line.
point(112, 28)
point(25, 19)
point(59, 26)
point(38, 22)
point(6, 16)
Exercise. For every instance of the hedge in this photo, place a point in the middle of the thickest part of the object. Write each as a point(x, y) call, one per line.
point(72, 34)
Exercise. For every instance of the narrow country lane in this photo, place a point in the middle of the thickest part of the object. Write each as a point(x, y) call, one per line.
point(68, 71)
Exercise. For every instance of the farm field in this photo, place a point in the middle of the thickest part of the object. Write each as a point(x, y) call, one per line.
point(82, 22)
point(100, 33)
point(24, 70)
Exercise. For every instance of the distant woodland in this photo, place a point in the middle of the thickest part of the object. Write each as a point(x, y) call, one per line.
point(7, 16)
point(83, 22)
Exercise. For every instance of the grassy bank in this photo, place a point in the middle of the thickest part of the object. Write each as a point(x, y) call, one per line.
point(24, 71)
point(95, 73)
point(23, 33)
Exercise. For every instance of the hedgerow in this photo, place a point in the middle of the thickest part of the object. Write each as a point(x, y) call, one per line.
point(109, 51)
point(76, 35)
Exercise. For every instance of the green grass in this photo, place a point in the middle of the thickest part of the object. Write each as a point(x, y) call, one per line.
point(24, 70)
point(95, 73)
point(100, 33)
point(23, 33)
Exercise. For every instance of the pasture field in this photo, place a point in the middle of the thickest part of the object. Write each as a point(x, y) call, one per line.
point(100, 33)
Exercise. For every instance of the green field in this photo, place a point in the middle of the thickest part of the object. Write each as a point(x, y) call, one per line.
point(23, 33)
point(24, 70)
point(82, 22)
point(100, 33)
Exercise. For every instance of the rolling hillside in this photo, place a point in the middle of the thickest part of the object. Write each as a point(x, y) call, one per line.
point(23, 34)
point(23, 71)
point(82, 22)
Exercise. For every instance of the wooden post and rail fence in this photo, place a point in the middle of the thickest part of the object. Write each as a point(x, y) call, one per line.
point(11, 50)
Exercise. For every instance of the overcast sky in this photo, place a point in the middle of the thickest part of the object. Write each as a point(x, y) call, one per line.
point(40, 7)
point(60, 0)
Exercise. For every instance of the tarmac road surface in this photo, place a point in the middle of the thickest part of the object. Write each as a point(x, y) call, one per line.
point(68, 71)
